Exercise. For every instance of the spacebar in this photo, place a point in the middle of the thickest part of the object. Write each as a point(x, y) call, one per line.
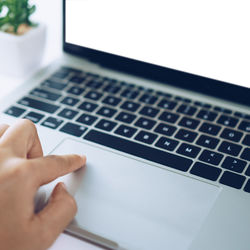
point(139, 150)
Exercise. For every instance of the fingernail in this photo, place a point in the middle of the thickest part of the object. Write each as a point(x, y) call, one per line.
point(63, 185)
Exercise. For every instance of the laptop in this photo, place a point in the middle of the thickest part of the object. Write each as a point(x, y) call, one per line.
point(168, 152)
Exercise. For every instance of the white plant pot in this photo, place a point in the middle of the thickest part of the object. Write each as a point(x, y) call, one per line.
point(20, 55)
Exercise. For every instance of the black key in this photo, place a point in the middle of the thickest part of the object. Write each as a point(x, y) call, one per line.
point(106, 125)
point(188, 150)
point(247, 187)
point(246, 140)
point(54, 84)
point(205, 171)
point(223, 110)
point(168, 117)
point(187, 110)
point(93, 95)
point(125, 131)
point(146, 137)
point(52, 122)
point(68, 113)
point(73, 129)
point(130, 106)
point(88, 106)
point(34, 117)
point(186, 135)
point(148, 111)
point(70, 101)
point(245, 126)
point(246, 154)
point(87, 119)
point(231, 135)
point(207, 115)
point(189, 123)
point(248, 171)
point(75, 90)
point(145, 123)
point(201, 104)
point(112, 89)
point(230, 148)
point(140, 150)
point(107, 112)
point(130, 94)
point(43, 106)
point(14, 111)
point(165, 129)
point(111, 100)
point(207, 141)
point(232, 180)
point(125, 117)
point(227, 121)
point(210, 128)
point(211, 157)
point(45, 94)
point(234, 164)
point(166, 104)
point(167, 143)
point(149, 99)
point(77, 79)
point(94, 84)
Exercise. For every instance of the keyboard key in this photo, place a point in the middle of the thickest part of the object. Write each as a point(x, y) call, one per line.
point(88, 106)
point(149, 99)
point(75, 90)
point(227, 121)
point(248, 171)
point(52, 122)
point(112, 89)
point(71, 70)
point(246, 154)
point(146, 137)
point(207, 141)
point(210, 128)
point(14, 111)
point(246, 140)
point(125, 131)
point(187, 110)
point(245, 126)
point(87, 119)
point(139, 150)
point(207, 115)
point(125, 117)
point(145, 123)
point(211, 157)
point(165, 129)
point(186, 135)
point(111, 100)
point(68, 113)
point(94, 84)
point(234, 164)
point(77, 79)
point(107, 112)
point(106, 125)
point(167, 143)
point(231, 135)
point(223, 110)
point(70, 101)
point(73, 129)
point(232, 180)
point(205, 171)
point(45, 94)
point(148, 111)
point(189, 123)
point(247, 187)
point(169, 117)
point(39, 105)
point(130, 94)
point(230, 148)
point(34, 117)
point(54, 84)
point(130, 106)
point(188, 150)
point(93, 95)
point(61, 74)
point(166, 104)
point(201, 104)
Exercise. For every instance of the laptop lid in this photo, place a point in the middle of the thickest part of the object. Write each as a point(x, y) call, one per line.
point(130, 36)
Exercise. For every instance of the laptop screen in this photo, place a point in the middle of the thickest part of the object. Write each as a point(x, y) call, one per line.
point(144, 31)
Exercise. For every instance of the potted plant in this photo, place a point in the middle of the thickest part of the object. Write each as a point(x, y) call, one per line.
point(22, 42)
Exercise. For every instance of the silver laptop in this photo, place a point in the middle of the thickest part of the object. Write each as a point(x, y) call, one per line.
point(168, 152)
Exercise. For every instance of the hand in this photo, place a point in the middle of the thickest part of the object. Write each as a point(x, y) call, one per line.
point(23, 169)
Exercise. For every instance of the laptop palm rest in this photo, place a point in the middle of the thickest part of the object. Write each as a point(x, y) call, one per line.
point(132, 203)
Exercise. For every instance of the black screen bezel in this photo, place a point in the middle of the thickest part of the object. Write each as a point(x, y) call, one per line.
point(200, 84)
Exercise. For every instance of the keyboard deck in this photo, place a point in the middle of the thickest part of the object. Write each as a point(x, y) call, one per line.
point(190, 136)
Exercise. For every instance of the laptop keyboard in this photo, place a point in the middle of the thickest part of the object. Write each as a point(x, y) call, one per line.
point(187, 135)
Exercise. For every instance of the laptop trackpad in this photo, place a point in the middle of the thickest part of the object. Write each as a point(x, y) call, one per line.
point(137, 205)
